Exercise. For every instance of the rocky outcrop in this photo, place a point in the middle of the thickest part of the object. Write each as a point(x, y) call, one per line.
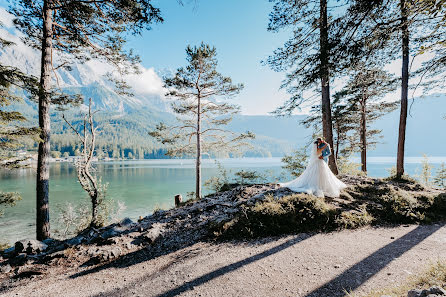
point(434, 291)
point(165, 230)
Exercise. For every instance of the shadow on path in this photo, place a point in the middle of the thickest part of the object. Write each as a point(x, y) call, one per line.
point(359, 273)
point(208, 276)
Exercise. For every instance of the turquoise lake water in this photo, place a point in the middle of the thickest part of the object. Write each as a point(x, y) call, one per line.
point(141, 185)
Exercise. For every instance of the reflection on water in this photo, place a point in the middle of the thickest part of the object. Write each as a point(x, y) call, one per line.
point(141, 185)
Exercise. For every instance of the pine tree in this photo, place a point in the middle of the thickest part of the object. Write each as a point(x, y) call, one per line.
point(12, 132)
point(363, 94)
point(317, 50)
point(197, 90)
point(400, 28)
point(84, 30)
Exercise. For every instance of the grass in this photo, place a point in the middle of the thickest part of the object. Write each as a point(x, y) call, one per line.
point(434, 275)
point(4, 246)
point(371, 202)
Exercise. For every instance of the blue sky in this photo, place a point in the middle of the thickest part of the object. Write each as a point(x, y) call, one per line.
point(236, 28)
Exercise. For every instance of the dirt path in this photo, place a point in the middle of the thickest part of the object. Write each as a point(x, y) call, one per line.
point(303, 265)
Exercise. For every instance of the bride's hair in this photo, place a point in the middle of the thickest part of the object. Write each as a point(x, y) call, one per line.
point(319, 139)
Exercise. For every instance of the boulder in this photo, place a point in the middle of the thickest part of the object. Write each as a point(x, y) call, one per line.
point(154, 233)
point(74, 241)
point(437, 290)
point(126, 222)
point(30, 246)
point(112, 232)
point(8, 253)
point(5, 268)
point(415, 293)
point(105, 254)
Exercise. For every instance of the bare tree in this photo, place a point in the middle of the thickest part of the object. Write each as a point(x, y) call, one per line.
point(88, 181)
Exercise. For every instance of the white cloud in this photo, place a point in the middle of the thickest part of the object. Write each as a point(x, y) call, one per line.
point(147, 82)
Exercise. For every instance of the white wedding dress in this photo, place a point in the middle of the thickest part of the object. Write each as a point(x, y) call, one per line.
point(317, 179)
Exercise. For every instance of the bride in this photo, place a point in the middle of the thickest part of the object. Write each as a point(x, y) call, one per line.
point(317, 179)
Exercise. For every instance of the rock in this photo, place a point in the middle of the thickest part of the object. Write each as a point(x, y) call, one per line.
point(154, 233)
point(6, 268)
point(74, 241)
point(49, 241)
point(437, 290)
point(126, 222)
point(415, 293)
point(8, 253)
point(105, 254)
point(19, 260)
point(110, 233)
point(31, 246)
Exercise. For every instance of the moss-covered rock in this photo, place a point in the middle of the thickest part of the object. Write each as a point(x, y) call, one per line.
point(367, 201)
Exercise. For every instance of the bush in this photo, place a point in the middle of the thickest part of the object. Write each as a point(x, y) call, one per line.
point(373, 202)
point(289, 214)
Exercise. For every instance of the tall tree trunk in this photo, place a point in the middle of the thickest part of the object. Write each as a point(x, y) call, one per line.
point(404, 91)
point(94, 210)
point(327, 126)
point(337, 142)
point(198, 163)
point(43, 173)
point(363, 134)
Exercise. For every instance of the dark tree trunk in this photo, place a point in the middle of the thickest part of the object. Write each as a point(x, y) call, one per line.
point(43, 173)
point(337, 142)
point(327, 126)
point(198, 162)
point(94, 210)
point(363, 134)
point(404, 91)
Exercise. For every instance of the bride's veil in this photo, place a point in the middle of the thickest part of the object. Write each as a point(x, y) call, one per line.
point(313, 154)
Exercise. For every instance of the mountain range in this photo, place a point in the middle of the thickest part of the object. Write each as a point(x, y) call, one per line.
point(127, 120)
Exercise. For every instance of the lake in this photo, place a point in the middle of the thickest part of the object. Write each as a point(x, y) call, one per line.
point(142, 185)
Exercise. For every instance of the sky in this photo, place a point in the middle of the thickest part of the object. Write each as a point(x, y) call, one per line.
point(238, 29)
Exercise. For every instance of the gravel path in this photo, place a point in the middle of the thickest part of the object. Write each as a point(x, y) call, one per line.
point(301, 265)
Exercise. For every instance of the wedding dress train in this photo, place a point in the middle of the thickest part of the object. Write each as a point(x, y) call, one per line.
point(317, 179)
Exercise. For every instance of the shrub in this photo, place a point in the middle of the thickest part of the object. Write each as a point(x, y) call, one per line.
point(289, 214)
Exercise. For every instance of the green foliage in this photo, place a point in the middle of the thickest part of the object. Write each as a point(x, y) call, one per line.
point(215, 183)
point(354, 219)
point(440, 177)
point(201, 115)
point(72, 220)
point(301, 55)
point(14, 130)
point(55, 154)
point(347, 166)
point(274, 216)
point(247, 175)
point(87, 29)
point(426, 171)
point(196, 89)
point(370, 202)
point(296, 162)
point(8, 199)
